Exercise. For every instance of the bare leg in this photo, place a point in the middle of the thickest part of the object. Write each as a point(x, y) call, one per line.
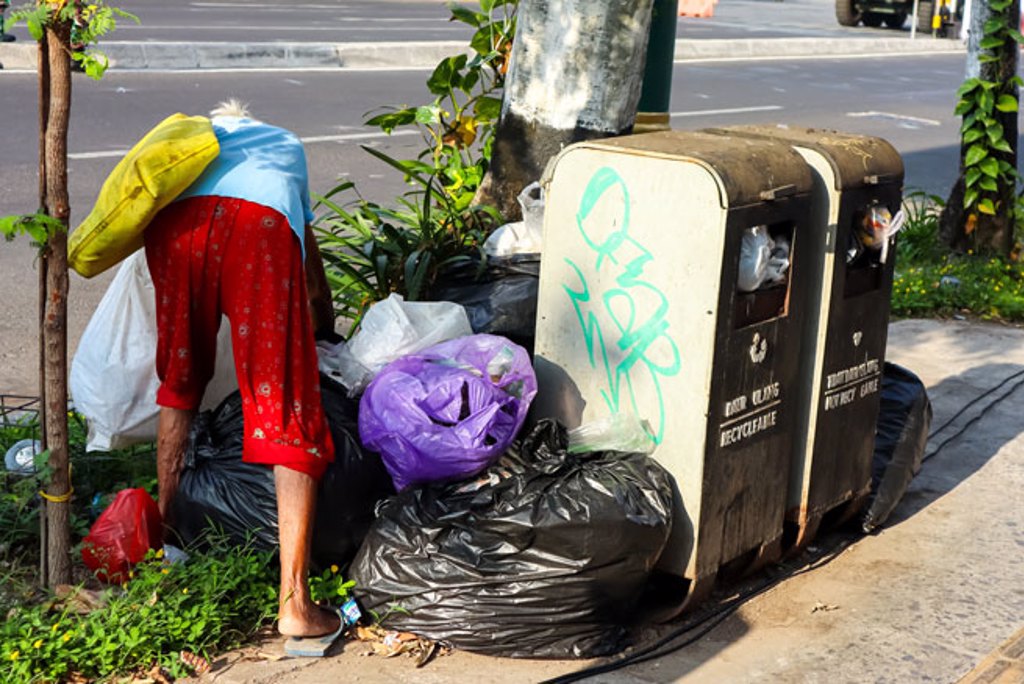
point(171, 440)
point(296, 507)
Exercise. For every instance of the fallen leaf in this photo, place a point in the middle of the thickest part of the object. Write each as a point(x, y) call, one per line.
point(823, 607)
point(196, 662)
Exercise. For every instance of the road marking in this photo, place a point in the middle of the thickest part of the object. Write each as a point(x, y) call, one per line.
point(279, 28)
point(894, 117)
point(801, 58)
point(355, 136)
point(256, 5)
point(104, 154)
point(736, 110)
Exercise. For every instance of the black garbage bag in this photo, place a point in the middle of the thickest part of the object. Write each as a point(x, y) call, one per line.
point(904, 418)
point(500, 298)
point(219, 491)
point(544, 555)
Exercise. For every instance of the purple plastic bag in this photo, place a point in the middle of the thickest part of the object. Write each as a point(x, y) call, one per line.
point(449, 411)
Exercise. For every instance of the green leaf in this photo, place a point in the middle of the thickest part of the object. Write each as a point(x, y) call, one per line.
point(970, 197)
point(963, 106)
point(428, 114)
point(987, 58)
point(1015, 35)
point(1007, 103)
point(391, 120)
point(968, 86)
point(989, 167)
point(1001, 146)
point(487, 108)
point(972, 135)
point(466, 16)
point(487, 5)
point(985, 206)
point(993, 25)
point(975, 153)
point(972, 175)
point(988, 184)
point(470, 80)
point(986, 101)
point(482, 41)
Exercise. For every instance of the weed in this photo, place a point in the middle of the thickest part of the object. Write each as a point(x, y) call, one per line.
point(930, 281)
point(214, 601)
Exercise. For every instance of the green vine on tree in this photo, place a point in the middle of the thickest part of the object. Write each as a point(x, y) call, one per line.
point(89, 22)
point(979, 102)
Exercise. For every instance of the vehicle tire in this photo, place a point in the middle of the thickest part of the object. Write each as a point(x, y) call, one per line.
point(846, 13)
point(872, 20)
point(925, 9)
point(895, 21)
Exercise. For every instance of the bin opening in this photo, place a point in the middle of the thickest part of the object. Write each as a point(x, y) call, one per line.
point(762, 288)
point(864, 266)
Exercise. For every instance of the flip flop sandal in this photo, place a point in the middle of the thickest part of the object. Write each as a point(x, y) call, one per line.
point(315, 647)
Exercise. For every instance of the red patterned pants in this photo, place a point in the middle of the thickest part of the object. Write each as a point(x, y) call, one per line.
point(210, 256)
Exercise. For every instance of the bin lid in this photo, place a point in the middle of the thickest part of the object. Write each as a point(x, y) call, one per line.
point(749, 171)
point(857, 160)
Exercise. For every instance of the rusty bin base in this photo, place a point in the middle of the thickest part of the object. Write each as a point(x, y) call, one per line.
point(797, 535)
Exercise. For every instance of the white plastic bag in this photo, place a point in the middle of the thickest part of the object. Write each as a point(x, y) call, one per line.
point(755, 251)
point(113, 374)
point(391, 328)
point(521, 237)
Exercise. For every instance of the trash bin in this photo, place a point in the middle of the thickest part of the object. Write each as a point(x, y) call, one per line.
point(639, 311)
point(846, 323)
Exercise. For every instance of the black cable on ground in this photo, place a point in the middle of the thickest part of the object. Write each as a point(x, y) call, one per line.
point(723, 612)
point(972, 402)
point(976, 418)
point(708, 622)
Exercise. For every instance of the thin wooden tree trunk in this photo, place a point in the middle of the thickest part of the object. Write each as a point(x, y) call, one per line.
point(575, 74)
point(55, 350)
point(43, 68)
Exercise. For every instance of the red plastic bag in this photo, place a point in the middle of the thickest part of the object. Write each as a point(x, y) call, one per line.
point(122, 535)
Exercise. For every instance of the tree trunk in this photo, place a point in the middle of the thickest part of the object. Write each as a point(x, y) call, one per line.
point(961, 228)
point(55, 349)
point(575, 74)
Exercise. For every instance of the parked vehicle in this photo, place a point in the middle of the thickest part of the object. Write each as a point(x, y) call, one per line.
point(894, 13)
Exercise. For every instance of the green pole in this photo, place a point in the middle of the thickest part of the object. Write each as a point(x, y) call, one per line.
point(652, 112)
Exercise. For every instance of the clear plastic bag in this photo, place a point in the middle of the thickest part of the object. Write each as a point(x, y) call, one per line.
point(392, 328)
point(521, 237)
point(755, 251)
point(618, 432)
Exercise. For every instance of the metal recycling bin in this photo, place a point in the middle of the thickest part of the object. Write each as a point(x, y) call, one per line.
point(639, 311)
point(846, 326)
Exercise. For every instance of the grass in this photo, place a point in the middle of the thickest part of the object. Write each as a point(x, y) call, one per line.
point(215, 601)
point(931, 282)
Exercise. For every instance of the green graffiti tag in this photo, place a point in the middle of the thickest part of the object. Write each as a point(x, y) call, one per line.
point(636, 309)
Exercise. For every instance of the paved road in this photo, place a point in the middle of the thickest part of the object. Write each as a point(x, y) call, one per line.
point(907, 100)
point(405, 20)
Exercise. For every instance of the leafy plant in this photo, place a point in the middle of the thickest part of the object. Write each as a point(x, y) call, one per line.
point(458, 124)
point(919, 238)
point(89, 22)
point(330, 586)
point(371, 250)
point(930, 282)
point(212, 602)
point(96, 477)
point(979, 101)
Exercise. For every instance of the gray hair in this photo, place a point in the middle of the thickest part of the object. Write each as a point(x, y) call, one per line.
point(232, 107)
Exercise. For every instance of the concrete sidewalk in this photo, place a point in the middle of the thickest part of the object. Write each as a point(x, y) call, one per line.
point(934, 597)
point(407, 55)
